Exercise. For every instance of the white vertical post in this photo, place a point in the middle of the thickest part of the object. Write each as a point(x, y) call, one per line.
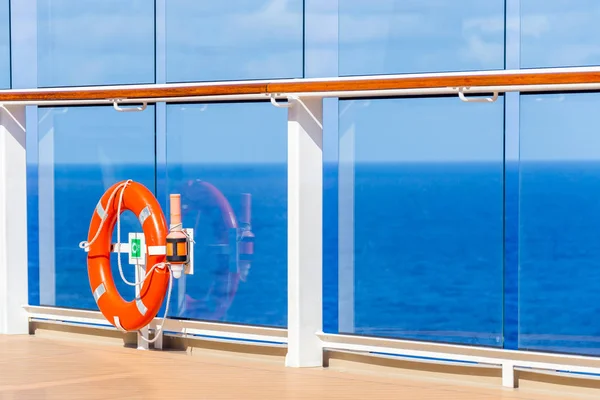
point(509, 378)
point(143, 333)
point(13, 222)
point(136, 250)
point(305, 236)
point(158, 343)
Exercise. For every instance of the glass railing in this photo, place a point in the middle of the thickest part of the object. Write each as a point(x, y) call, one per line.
point(421, 223)
point(421, 228)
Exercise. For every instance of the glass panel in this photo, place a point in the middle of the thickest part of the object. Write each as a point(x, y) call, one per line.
point(398, 36)
point(234, 39)
point(95, 42)
point(229, 162)
point(4, 44)
point(559, 278)
point(82, 152)
point(559, 33)
point(421, 203)
point(321, 39)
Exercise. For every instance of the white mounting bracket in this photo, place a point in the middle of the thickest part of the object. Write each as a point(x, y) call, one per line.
point(273, 97)
point(136, 249)
point(189, 267)
point(461, 95)
point(128, 109)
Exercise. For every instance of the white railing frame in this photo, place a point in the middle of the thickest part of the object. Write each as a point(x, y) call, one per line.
point(304, 338)
point(172, 326)
point(13, 221)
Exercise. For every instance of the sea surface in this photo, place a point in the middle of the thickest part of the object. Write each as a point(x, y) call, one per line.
point(428, 251)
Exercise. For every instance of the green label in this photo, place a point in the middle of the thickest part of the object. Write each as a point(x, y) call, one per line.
point(135, 248)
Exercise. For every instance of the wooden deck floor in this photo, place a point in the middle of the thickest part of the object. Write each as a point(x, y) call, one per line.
point(40, 368)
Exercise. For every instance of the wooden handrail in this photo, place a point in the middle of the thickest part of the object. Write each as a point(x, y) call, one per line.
point(415, 82)
point(397, 82)
point(132, 92)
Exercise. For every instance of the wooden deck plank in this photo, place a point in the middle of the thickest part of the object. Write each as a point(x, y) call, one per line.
point(41, 368)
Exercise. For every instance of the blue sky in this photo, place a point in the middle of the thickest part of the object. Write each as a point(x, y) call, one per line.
point(112, 42)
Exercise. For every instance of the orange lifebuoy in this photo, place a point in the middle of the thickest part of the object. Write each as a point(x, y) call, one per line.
point(136, 314)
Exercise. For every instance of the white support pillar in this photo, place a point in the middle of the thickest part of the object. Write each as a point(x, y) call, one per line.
point(144, 333)
point(158, 344)
point(305, 236)
point(509, 378)
point(13, 222)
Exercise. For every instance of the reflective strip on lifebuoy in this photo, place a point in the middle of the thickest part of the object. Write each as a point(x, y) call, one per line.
point(132, 315)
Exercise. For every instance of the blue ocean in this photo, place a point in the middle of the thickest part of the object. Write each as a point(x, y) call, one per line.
point(436, 252)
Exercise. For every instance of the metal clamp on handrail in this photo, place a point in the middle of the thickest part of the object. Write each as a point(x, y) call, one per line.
point(273, 97)
point(461, 95)
point(128, 109)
